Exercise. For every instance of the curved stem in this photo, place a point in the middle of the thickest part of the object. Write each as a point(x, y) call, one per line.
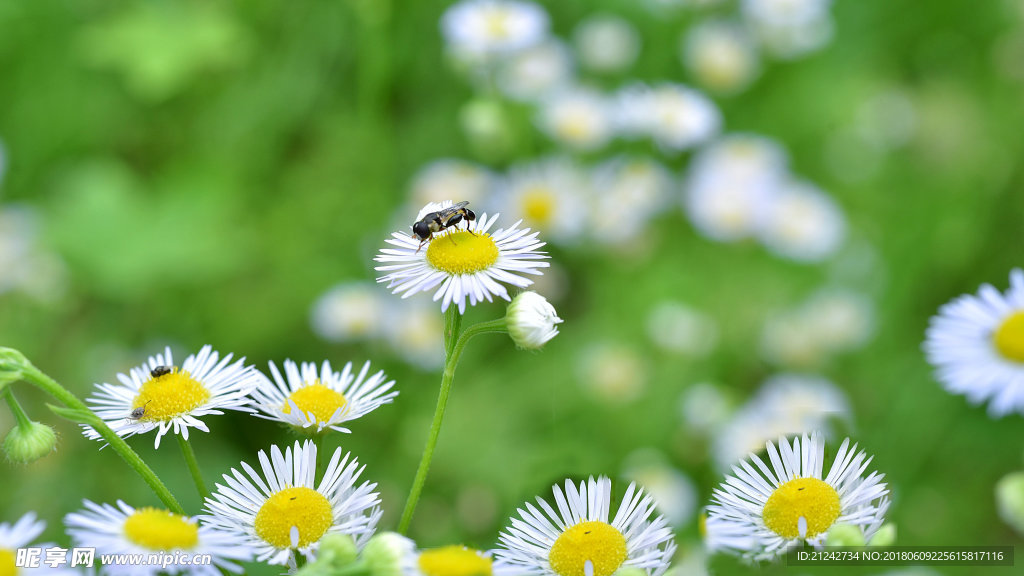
point(454, 344)
point(19, 413)
point(193, 466)
point(34, 376)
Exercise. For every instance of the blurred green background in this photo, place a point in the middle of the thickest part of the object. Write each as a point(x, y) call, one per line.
point(201, 172)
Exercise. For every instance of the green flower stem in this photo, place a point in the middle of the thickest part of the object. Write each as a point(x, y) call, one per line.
point(19, 413)
point(454, 343)
point(34, 376)
point(318, 440)
point(193, 466)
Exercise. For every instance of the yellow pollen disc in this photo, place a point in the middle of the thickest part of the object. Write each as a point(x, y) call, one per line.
point(155, 529)
point(454, 561)
point(808, 498)
point(318, 399)
point(594, 541)
point(301, 507)
point(462, 253)
point(7, 566)
point(170, 395)
point(538, 206)
point(1009, 337)
point(496, 23)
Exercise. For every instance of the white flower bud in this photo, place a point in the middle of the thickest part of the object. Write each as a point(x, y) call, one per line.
point(531, 320)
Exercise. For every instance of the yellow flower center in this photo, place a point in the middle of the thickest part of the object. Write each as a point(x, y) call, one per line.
point(170, 395)
point(462, 252)
point(7, 566)
point(1009, 337)
point(454, 561)
point(593, 541)
point(538, 206)
point(302, 508)
point(497, 24)
point(318, 399)
point(809, 499)
point(155, 529)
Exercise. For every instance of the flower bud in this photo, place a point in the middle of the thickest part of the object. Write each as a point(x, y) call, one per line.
point(29, 442)
point(389, 554)
point(845, 535)
point(336, 552)
point(12, 363)
point(531, 320)
point(1010, 500)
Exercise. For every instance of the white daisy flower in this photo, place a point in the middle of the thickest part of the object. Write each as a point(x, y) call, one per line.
point(674, 493)
point(731, 185)
point(976, 344)
point(284, 512)
point(679, 329)
point(490, 27)
point(803, 223)
point(613, 373)
point(348, 312)
point(579, 118)
point(162, 396)
point(579, 539)
point(606, 43)
point(674, 116)
point(147, 531)
point(423, 347)
point(451, 178)
point(761, 513)
point(550, 195)
point(628, 192)
point(467, 261)
point(721, 55)
point(786, 404)
point(786, 12)
point(21, 535)
point(534, 73)
point(829, 322)
point(310, 400)
point(790, 28)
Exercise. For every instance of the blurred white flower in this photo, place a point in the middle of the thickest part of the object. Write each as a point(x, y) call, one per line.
point(674, 493)
point(25, 266)
point(674, 116)
point(704, 407)
point(349, 312)
point(721, 55)
point(536, 72)
point(451, 178)
point(680, 329)
point(731, 185)
point(578, 118)
point(606, 43)
point(887, 120)
point(414, 331)
point(612, 373)
point(481, 28)
point(790, 28)
point(549, 195)
point(831, 321)
point(786, 404)
point(628, 192)
point(802, 223)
